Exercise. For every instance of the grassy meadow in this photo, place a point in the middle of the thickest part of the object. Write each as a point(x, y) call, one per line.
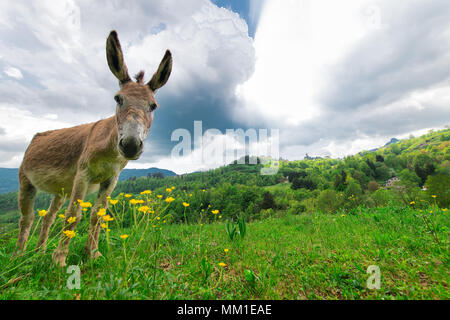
point(314, 256)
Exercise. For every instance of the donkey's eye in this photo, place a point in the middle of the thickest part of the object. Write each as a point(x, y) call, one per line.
point(153, 106)
point(119, 99)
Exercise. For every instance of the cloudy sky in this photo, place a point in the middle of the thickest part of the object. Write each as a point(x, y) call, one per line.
point(335, 77)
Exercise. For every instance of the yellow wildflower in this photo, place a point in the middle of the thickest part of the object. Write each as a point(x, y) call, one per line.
point(71, 220)
point(124, 236)
point(85, 204)
point(168, 190)
point(169, 199)
point(173, 188)
point(343, 215)
point(215, 211)
point(159, 196)
point(108, 197)
point(185, 204)
point(190, 194)
point(107, 218)
point(223, 265)
point(146, 192)
point(62, 216)
point(144, 209)
point(69, 233)
point(104, 225)
point(113, 202)
point(128, 195)
point(42, 213)
point(412, 203)
point(133, 202)
point(434, 196)
point(226, 250)
point(101, 212)
point(220, 217)
point(80, 201)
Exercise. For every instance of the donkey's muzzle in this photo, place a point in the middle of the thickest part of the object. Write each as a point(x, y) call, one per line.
point(131, 147)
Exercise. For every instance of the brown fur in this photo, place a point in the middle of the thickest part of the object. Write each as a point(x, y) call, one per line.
point(79, 160)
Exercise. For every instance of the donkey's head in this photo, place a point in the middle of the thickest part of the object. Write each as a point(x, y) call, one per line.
point(135, 100)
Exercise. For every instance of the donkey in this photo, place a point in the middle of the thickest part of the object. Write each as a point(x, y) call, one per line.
point(86, 158)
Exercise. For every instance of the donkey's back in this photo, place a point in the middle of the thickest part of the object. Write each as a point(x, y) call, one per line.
point(50, 161)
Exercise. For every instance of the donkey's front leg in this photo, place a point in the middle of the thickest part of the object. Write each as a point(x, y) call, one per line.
point(106, 188)
point(73, 213)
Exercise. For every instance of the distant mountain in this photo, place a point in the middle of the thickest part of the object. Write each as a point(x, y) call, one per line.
point(138, 173)
point(393, 141)
point(9, 177)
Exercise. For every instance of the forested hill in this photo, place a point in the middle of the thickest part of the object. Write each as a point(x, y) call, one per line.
point(9, 181)
point(414, 170)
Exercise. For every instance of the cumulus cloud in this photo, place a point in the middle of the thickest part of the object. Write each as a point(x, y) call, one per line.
point(60, 48)
point(339, 77)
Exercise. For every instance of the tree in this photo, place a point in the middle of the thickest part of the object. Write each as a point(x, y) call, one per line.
point(373, 186)
point(438, 186)
point(158, 175)
point(268, 201)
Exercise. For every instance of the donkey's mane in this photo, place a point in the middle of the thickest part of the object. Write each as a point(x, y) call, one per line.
point(140, 77)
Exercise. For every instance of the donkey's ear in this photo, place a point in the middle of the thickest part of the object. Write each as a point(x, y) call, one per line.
point(115, 59)
point(163, 73)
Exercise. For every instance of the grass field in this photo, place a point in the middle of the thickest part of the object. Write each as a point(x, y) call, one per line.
point(312, 256)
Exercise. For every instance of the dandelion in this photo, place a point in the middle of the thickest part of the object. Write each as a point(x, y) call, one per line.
point(84, 209)
point(61, 216)
point(121, 194)
point(185, 204)
point(159, 196)
point(113, 202)
point(220, 217)
point(140, 201)
point(412, 203)
point(144, 209)
point(69, 233)
point(107, 218)
point(343, 215)
point(146, 192)
point(128, 195)
point(101, 212)
point(164, 221)
point(434, 196)
point(124, 236)
point(71, 220)
point(204, 190)
point(104, 225)
point(173, 188)
point(133, 202)
point(226, 250)
point(42, 213)
point(190, 194)
point(85, 205)
point(169, 199)
point(168, 190)
point(108, 197)
point(215, 211)
point(223, 265)
point(80, 201)
point(158, 218)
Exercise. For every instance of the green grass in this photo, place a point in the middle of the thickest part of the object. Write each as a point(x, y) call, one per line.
point(312, 256)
